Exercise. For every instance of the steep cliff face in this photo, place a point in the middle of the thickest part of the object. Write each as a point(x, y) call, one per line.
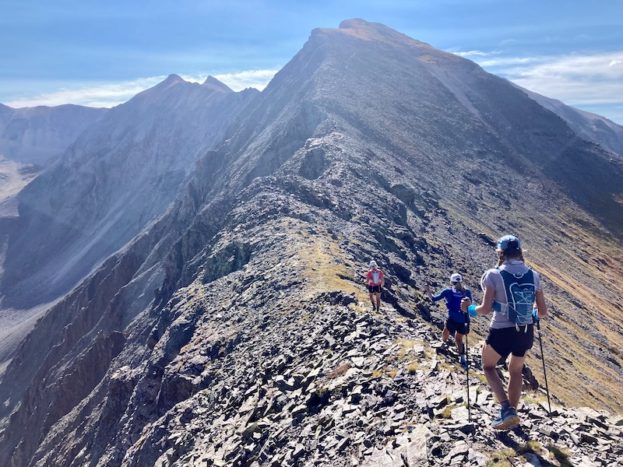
point(117, 178)
point(234, 329)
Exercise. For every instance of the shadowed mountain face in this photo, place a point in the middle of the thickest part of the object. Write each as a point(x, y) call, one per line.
point(35, 135)
point(120, 175)
point(587, 125)
point(233, 329)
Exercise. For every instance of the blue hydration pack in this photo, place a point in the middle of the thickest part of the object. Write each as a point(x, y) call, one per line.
point(520, 295)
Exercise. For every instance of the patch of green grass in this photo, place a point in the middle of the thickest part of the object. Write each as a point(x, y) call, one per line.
point(412, 367)
point(531, 446)
point(533, 397)
point(561, 455)
point(501, 458)
point(446, 412)
point(387, 372)
point(482, 378)
point(405, 347)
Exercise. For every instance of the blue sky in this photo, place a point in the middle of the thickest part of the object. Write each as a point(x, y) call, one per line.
point(103, 52)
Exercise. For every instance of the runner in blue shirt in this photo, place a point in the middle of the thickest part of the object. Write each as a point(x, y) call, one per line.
point(457, 323)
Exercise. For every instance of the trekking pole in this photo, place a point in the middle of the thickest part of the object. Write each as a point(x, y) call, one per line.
point(538, 327)
point(469, 410)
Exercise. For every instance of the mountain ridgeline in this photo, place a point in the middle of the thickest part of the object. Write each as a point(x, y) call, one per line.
point(215, 243)
point(36, 135)
point(119, 175)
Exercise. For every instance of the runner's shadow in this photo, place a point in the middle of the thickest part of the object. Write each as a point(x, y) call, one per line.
point(508, 440)
point(522, 449)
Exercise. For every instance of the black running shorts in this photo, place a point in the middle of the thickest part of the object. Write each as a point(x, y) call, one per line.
point(374, 288)
point(453, 326)
point(508, 341)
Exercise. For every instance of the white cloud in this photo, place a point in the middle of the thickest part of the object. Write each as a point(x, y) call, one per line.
point(575, 79)
point(98, 95)
point(111, 94)
point(472, 53)
point(583, 80)
point(247, 79)
point(506, 61)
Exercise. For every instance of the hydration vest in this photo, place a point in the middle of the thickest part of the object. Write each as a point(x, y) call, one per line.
point(520, 294)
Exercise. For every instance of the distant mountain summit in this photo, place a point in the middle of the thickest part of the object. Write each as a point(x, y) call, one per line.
point(227, 322)
point(121, 174)
point(36, 134)
point(213, 83)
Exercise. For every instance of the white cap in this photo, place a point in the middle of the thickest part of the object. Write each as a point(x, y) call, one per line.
point(373, 264)
point(456, 278)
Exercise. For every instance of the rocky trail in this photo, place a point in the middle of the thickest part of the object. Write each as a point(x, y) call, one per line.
point(335, 386)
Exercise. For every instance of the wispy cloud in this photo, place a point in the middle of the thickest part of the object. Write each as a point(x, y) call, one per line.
point(98, 95)
point(111, 94)
point(584, 80)
point(247, 79)
point(473, 53)
point(575, 79)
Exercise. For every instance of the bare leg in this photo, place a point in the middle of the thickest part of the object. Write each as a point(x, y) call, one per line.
point(372, 300)
point(515, 368)
point(378, 301)
point(458, 337)
point(489, 360)
point(445, 335)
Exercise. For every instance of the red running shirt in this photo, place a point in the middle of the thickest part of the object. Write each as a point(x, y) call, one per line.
point(375, 277)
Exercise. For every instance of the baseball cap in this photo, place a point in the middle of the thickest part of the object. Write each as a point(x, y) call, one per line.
point(509, 244)
point(456, 277)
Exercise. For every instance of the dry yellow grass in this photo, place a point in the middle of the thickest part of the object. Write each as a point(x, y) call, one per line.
point(412, 367)
point(324, 269)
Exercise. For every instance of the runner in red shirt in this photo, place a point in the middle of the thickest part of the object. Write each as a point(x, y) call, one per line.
point(376, 280)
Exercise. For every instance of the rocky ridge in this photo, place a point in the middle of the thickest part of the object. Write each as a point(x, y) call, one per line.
point(247, 293)
point(322, 383)
point(355, 388)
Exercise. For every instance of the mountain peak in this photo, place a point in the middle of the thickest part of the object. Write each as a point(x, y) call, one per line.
point(173, 78)
point(370, 31)
point(216, 85)
point(169, 82)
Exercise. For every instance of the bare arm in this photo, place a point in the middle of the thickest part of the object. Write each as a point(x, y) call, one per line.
point(540, 304)
point(487, 302)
